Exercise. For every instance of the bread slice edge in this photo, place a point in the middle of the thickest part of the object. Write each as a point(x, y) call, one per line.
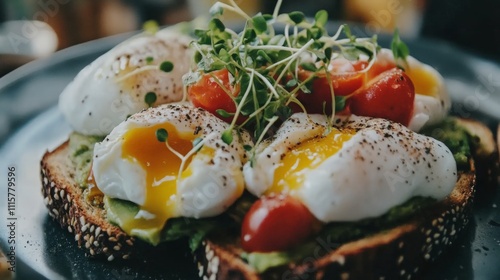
point(67, 205)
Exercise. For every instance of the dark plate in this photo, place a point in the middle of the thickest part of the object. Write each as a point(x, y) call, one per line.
point(30, 124)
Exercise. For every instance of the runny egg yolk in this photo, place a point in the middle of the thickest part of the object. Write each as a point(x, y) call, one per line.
point(425, 82)
point(290, 174)
point(140, 145)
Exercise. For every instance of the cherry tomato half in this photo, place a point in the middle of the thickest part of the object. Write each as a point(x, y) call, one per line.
point(345, 77)
point(276, 223)
point(206, 93)
point(343, 84)
point(390, 95)
point(377, 68)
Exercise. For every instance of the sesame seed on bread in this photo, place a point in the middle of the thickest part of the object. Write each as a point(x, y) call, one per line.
point(66, 203)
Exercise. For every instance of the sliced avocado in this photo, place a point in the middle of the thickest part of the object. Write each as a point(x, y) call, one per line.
point(264, 261)
point(121, 213)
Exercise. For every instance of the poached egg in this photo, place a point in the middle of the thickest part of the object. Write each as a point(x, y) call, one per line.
point(357, 168)
point(115, 85)
point(193, 173)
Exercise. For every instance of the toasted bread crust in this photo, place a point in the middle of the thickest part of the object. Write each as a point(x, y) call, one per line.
point(66, 204)
point(485, 155)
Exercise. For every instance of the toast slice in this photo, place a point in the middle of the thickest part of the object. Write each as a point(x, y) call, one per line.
point(486, 153)
point(396, 253)
point(66, 203)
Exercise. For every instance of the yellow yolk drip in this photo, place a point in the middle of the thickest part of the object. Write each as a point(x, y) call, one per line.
point(290, 174)
point(92, 190)
point(425, 82)
point(140, 145)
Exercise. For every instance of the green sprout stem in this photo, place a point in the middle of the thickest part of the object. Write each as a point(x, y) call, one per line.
point(243, 99)
point(191, 152)
point(292, 57)
point(277, 9)
point(184, 158)
point(265, 81)
point(176, 153)
point(332, 92)
point(234, 8)
point(272, 47)
point(259, 110)
point(268, 126)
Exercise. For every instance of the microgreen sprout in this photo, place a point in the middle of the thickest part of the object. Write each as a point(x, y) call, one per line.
point(150, 98)
point(162, 136)
point(227, 136)
point(166, 66)
point(400, 50)
point(197, 141)
point(266, 65)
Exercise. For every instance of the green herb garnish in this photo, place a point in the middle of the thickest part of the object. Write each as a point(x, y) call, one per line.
point(162, 135)
point(166, 66)
point(227, 136)
point(150, 98)
point(400, 50)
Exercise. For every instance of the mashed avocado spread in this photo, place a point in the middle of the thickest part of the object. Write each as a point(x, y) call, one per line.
point(455, 137)
point(81, 151)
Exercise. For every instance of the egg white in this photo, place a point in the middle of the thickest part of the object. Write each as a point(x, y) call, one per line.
point(101, 95)
point(381, 166)
point(216, 182)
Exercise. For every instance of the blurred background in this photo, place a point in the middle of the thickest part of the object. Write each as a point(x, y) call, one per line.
point(36, 28)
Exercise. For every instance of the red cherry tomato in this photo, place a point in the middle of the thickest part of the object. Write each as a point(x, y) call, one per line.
point(345, 78)
point(276, 224)
point(390, 95)
point(377, 68)
point(206, 93)
point(343, 84)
